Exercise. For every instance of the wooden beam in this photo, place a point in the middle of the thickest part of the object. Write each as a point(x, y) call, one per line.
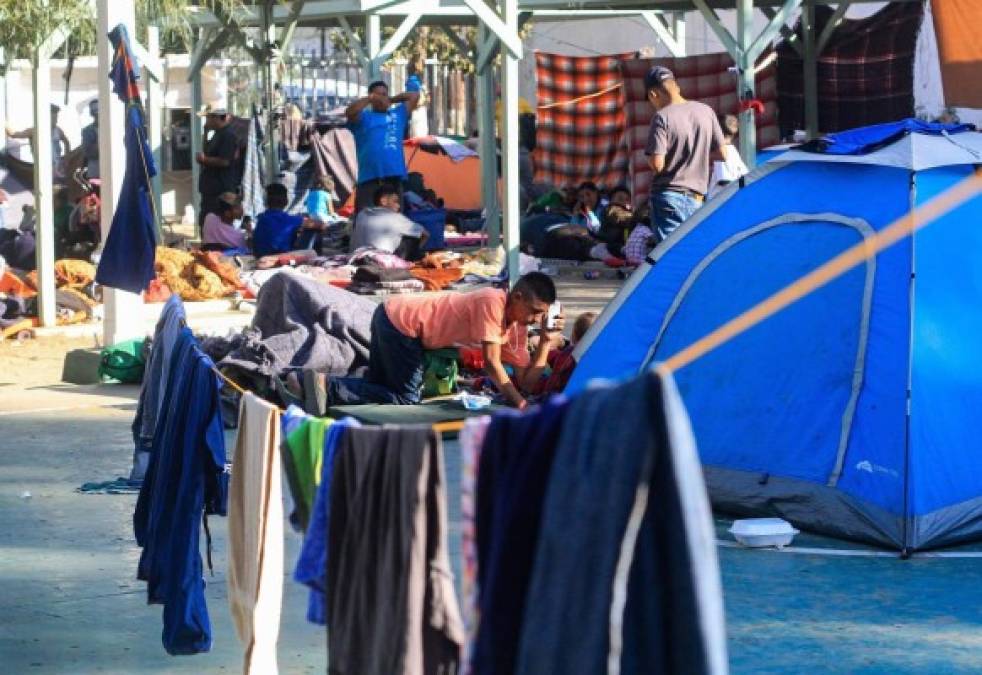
point(209, 42)
point(395, 40)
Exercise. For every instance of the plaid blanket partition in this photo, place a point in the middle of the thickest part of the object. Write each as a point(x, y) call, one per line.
point(865, 73)
point(581, 140)
point(705, 78)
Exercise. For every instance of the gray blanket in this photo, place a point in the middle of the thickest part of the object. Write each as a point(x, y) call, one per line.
point(305, 324)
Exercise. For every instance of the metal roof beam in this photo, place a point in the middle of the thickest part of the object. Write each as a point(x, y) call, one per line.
point(665, 33)
point(778, 21)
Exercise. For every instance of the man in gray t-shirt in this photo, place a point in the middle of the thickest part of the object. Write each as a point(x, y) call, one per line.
point(683, 141)
point(383, 227)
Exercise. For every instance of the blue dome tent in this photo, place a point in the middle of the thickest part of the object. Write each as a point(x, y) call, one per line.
point(854, 411)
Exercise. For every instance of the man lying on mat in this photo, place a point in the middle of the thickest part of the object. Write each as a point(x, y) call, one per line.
point(404, 326)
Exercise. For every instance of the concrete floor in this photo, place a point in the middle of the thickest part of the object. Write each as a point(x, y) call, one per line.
point(70, 603)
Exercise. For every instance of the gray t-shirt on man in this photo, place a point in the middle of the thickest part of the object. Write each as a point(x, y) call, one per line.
point(383, 229)
point(686, 133)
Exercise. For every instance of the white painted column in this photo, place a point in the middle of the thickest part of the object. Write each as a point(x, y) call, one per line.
point(745, 80)
point(43, 174)
point(373, 42)
point(123, 310)
point(155, 124)
point(197, 143)
point(488, 148)
point(512, 209)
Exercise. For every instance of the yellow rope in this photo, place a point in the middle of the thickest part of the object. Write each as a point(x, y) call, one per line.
point(845, 261)
point(579, 99)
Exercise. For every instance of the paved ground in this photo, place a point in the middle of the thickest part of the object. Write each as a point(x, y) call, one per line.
point(70, 603)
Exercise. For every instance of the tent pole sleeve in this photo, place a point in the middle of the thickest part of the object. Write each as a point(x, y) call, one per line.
point(489, 164)
point(123, 311)
point(509, 145)
point(810, 62)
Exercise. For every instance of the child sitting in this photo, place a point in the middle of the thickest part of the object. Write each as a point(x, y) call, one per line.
point(320, 203)
point(561, 360)
point(276, 230)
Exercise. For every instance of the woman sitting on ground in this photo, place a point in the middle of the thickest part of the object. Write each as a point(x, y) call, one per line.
point(219, 233)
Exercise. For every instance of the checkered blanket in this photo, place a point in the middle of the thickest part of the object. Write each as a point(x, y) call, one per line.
point(865, 73)
point(706, 78)
point(580, 140)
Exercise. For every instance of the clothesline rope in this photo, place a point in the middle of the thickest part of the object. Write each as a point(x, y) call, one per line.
point(580, 99)
point(453, 426)
point(900, 228)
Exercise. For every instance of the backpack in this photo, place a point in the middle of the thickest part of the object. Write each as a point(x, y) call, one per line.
point(124, 362)
point(439, 372)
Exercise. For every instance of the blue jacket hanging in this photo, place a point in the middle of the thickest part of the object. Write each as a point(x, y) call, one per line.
point(127, 259)
point(185, 478)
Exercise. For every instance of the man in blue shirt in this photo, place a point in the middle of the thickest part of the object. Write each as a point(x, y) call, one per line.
point(276, 230)
point(378, 123)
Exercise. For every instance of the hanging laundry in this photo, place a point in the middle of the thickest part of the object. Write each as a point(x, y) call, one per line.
point(253, 194)
point(302, 460)
point(155, 379)
point(255, 535)
point(516, 461)
point(312, 564)
point(390, 592)
point(592, 609)
point(185, 478)
point(128, 256)
point(471, 440)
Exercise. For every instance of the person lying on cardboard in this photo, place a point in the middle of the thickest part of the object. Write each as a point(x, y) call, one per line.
point(492, 319)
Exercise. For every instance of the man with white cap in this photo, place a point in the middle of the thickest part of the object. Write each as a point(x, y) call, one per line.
point(683, 141)
point(217, 160)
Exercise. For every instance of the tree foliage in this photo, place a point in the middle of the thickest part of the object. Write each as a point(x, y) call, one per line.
point(26, 24)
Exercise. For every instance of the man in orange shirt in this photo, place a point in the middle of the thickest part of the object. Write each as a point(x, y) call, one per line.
point(494, 320)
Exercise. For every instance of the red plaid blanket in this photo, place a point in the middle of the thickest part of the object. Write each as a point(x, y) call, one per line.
point(581, 140)
point(865, 73)
point(705, 78)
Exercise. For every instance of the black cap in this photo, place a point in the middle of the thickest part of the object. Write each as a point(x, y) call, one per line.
point(657, 76)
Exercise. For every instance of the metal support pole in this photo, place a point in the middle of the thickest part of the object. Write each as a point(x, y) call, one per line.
point(4, 70)
point(489, 160)
point(43, 207)
point(373, 42)
point(154, 124)
point(197, 144)
point(810, 61)
point(745, 78)
point(123, 311)
point(509, 145)
point(269, 37)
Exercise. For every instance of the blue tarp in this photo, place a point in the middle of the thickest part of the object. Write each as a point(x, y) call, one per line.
point(865, 140)
point(127, 259)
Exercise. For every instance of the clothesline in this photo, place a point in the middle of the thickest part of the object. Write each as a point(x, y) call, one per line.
point(580, 99)
point(453, 426)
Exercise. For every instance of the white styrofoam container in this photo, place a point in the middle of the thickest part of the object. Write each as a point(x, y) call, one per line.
point(762, 532)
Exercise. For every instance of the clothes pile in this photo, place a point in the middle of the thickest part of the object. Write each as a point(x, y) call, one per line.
point(195, 276)
point(76, 295)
